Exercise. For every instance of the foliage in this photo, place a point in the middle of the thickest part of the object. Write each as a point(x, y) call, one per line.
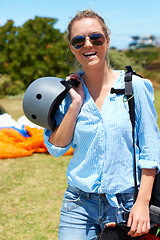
point(34, 50)
point(8, 87)
point(118, 60)
point(142, 56)
point(5, 84)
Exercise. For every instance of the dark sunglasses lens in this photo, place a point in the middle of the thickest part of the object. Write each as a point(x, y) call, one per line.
point(78, 42)
point(97, 39)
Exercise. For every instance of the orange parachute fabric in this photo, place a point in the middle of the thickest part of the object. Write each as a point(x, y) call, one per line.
point(13, 144)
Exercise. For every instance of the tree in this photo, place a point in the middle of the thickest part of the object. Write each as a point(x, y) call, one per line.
point(7, 33)
point(136, 38)
point(152, 37)
point(34, 50)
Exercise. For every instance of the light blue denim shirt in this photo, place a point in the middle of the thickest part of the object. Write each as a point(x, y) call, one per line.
point(102, 140)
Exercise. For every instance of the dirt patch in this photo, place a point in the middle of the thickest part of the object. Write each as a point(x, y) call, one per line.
point(153, 66)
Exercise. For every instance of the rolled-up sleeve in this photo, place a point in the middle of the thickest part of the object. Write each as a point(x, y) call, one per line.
point(59, 115)
point(53, 150)
point(146, 125)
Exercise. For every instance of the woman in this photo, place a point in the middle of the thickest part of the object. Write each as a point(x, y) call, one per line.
point(97, 125)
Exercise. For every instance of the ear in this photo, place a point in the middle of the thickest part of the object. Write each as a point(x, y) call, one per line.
point(71, 48)
point(108, 41)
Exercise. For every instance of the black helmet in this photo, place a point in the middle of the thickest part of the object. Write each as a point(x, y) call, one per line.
point(43, 97)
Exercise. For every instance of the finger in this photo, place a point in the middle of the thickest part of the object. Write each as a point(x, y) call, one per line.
point(72, 76)
point(130, 220)
point(141, 229)
point(132, 224)
point(133, 228)
point(138, 231)
point(137, 234)
point(111, 224)
point(131, 232)
point(146, 227)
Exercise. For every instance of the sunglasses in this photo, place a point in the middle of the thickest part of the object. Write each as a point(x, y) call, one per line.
point(97, 39)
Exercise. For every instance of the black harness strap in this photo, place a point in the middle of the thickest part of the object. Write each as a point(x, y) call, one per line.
point(118, 91)
point(128, 92)
point(70, 83)
point(130, 97)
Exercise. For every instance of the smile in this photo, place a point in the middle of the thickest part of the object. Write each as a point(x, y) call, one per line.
point(89, 54)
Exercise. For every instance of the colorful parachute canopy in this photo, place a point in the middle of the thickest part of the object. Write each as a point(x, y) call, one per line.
point(22, 138)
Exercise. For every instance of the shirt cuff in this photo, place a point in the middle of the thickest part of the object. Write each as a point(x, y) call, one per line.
point(53, 150)
point(148, 164)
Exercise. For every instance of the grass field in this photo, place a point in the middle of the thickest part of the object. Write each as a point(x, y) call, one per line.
point(31, 189)
point(157, 104)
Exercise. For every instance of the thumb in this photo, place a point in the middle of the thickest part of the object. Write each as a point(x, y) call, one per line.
point(111, 224)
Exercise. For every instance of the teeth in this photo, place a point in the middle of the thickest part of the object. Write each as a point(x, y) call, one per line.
point(89, 54)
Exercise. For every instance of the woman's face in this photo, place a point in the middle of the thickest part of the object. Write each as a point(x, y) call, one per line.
point(89, 55)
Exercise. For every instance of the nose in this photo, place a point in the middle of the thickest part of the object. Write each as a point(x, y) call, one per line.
point(88, 42)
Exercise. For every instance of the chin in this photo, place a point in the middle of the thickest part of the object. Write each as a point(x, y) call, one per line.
point(95, 64)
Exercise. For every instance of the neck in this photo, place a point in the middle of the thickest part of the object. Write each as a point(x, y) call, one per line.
point(100, 80)
point(96, 77)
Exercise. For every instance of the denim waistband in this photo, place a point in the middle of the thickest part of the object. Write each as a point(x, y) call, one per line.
point(86, 194)
point(98, 195)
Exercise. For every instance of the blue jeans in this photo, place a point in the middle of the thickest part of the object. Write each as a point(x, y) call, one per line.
point(84, 215)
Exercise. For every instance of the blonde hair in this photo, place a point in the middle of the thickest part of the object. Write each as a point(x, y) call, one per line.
point(87, 14)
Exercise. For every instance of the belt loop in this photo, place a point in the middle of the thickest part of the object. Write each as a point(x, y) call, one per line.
point(88, 195)
point(123, 197)
point(77, 190)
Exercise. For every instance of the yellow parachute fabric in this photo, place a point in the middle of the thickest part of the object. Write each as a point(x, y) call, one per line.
point(13, 144)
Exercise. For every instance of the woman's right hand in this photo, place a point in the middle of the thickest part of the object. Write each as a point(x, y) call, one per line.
point(77, 93)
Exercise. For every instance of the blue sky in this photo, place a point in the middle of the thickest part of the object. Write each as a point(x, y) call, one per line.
point(124, 18)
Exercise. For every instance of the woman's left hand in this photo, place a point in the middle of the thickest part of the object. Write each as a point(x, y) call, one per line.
point(139, 220)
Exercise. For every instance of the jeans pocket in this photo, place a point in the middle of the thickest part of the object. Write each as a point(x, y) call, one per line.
point(126, 201)
point(71, 200)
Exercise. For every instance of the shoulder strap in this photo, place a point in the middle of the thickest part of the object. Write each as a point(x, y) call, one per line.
point(130, 98)
point(128, 92)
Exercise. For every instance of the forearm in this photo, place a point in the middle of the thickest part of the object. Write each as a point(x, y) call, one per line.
point(63, 134)
point(147, 180)
point(139, 219)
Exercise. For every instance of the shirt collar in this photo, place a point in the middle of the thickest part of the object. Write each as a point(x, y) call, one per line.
point(119, 83)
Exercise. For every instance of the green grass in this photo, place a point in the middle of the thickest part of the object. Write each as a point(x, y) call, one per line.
point(31, 192)
point(157, 104)
point(31, 189)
